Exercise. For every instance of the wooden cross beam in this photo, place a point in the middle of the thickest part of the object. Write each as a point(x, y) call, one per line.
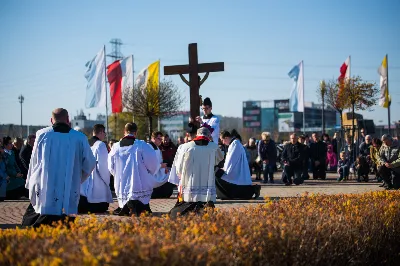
point(193, 69)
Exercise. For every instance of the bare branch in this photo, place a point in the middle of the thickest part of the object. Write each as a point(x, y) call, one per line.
point(163, 100)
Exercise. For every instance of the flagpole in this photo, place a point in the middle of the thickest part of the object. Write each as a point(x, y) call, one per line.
point(159, 63)
point(387, 89)
point(133, 83)
point(349, 66)
point(304, 107)
point(105, 83)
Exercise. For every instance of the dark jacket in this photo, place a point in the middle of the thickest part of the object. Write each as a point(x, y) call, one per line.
point(25, 156)
point(12, 168)
point(344, 162)
point(318, 151)
point(294, 155)
point(16, 154)
point(168, 153)
point(335, 145)
point(365, 149)
point(253, 153)
point(267, 151)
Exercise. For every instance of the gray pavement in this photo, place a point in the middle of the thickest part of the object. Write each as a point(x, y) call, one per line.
point(11, 212)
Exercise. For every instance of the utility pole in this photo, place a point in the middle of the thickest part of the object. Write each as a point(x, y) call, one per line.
point(21, 101)
point(115, 55)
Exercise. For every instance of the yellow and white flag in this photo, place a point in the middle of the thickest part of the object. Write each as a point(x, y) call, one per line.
point(383, 72)
point(149, 77)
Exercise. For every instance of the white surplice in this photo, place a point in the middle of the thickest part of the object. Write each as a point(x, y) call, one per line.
point(97, 187)
point(236, 166)
point(214, 123)
point(60, 162)
point(160, 177)
point(133, 168)
point(195, 168)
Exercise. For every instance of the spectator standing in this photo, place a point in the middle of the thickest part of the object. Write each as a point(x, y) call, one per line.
point(253, 154)
point(25, 155)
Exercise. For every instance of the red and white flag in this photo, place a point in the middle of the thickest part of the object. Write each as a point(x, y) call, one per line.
point(120, 77)
point(344, 74)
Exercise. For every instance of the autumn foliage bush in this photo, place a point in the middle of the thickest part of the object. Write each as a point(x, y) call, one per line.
point(308, 230)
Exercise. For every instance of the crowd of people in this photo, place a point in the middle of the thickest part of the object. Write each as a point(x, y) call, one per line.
point(63, 173)
point(302, 155)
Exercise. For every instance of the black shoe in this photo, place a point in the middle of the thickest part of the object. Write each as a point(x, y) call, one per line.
point(288, 184)
point(257, 191)
point(271, 181)
point(264, 181)
point(2, 199)
point(117, 211)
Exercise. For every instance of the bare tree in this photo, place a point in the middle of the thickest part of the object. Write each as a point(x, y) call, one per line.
point(361, 95)
point(334, 99)
point(116, 123)
point(153, 102)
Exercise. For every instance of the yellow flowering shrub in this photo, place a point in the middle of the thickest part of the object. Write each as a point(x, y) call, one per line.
point(312, 229)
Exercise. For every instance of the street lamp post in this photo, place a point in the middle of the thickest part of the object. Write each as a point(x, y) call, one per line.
point(323, 92)
point(21, 101)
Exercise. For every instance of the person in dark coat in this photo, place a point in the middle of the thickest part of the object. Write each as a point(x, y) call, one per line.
point(168, 150)
point(293, 159)
point(25, 155)
point(318, 151)
point(267, 153)
point(16, 148)
point(16, 184)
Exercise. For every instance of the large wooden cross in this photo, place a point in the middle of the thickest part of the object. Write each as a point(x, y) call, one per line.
point(193, 69)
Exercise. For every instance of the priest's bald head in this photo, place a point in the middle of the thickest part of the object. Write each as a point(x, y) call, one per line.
point(59, 115)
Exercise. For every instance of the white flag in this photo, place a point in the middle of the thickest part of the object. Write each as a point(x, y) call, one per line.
point(296, 101)
point(95, 76)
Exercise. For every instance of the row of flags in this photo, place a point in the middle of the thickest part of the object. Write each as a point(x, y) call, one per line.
point(120, 76)
point(296, 101)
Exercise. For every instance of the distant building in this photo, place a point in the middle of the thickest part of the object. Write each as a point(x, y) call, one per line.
point(80, 122)
point(14, 131)
point(274, 115)
point(175, 126)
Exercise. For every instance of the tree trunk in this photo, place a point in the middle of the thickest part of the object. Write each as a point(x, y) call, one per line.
point(353, 129)
point(323, 115)
point(150, 125)
point(340, 143)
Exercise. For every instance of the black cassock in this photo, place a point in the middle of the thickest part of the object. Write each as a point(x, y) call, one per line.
point(229, 191)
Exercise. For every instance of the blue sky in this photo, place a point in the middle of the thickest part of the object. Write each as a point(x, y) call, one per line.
point(45, 45)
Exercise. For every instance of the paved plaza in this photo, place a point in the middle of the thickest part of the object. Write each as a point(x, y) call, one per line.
point(11, 212)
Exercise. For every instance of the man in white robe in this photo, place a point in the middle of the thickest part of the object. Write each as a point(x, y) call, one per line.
point(209, 119)
point(133, 163)
point(191, 133)
point(95, 191)
point(61, 160)
point(234, 180)
point(195, 169)
point(162, 188)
